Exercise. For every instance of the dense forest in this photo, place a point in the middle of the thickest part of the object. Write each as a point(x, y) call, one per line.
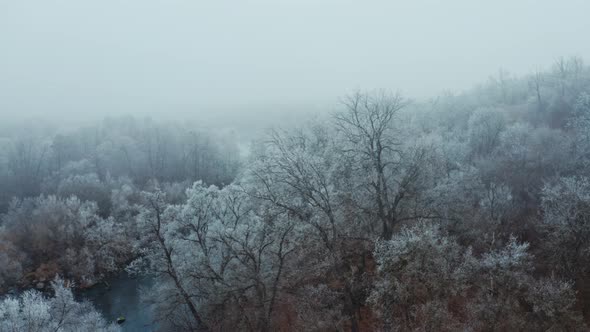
point(466, 212)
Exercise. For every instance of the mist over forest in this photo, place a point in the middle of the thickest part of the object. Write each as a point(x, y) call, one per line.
point(294, 166)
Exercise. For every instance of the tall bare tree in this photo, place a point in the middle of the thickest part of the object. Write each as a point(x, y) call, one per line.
point(387, 169)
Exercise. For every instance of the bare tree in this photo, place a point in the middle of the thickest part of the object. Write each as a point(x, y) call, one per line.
point(161, 252)
point(536, 81)
point(379, 156)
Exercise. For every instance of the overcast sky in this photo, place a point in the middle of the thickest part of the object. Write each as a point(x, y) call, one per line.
point(143, 55)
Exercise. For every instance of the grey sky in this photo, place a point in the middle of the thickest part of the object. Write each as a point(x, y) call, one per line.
point(143, 55)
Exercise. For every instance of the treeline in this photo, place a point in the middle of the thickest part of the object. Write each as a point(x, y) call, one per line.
point(35, 160)
point(68, 198)
point(467, 212)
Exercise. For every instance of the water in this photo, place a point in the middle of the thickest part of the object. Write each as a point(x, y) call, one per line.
point(122, 298)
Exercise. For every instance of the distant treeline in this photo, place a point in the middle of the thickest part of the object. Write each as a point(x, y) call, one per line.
point(36, 160)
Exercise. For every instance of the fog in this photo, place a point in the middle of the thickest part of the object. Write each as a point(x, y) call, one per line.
point(97, 58)
point(294, 165)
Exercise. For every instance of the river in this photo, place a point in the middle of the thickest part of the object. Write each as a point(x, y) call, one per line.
point(121, 296)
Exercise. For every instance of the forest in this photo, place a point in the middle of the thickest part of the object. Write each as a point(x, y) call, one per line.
point(463, 212)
